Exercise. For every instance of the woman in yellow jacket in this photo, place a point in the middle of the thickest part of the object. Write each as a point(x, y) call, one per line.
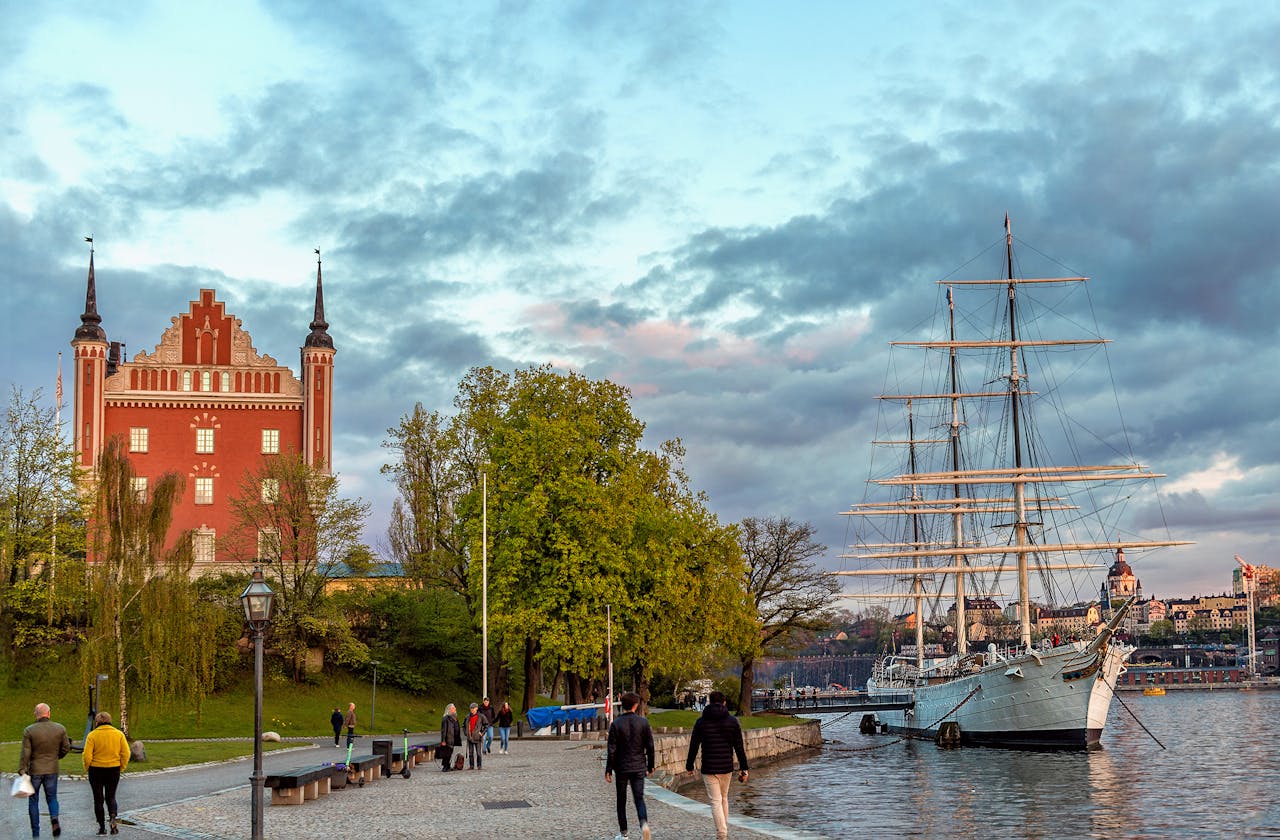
point(106, 754)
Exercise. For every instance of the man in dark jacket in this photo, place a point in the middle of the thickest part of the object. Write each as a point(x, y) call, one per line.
point(335, 720)
point(489, 713)
point(719, 735)
point(473, 729)
point(631, 756)
point(43, 743)
point(450, 736)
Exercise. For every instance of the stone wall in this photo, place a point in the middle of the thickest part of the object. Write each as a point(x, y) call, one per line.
point(762, 746)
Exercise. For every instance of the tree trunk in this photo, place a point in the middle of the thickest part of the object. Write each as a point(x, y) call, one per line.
point(747, 687)
point(117, 631)
point(531, 668)
point(640, 685)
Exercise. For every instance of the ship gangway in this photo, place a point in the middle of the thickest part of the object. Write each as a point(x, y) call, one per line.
point(833, 702)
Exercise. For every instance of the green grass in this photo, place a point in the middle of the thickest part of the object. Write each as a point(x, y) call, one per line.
point(292, 710)
point(161, 755)
point(686, 719)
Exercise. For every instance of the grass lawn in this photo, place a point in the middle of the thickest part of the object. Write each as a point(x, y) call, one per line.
point(161, 755)
point(292, 710)
point(686, 719)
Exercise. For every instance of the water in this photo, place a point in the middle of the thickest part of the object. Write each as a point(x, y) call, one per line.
point(1218, 776)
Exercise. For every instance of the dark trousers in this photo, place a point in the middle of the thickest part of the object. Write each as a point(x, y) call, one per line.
point(447, 764)
point(636, 782)
point(49, 781)
point(475, 754)
point(351, 735)
point(337, 732)
point(103, 782)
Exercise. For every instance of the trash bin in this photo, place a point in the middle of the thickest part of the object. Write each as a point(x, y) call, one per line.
point(383, 747)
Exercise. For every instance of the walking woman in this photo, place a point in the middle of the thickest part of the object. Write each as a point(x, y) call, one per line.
point(106, 754)
point(504, 726)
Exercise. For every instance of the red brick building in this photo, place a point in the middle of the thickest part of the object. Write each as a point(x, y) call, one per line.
point(205, 404)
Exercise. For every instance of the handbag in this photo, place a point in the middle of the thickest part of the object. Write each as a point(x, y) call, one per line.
point(443, 750)
point(22, 787)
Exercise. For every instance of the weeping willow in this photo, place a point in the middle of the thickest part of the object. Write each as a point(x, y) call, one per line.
point(147, 628)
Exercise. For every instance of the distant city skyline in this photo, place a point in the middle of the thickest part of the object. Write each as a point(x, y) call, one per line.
point(727, 208)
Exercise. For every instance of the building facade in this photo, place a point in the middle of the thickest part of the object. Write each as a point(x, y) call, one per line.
point(204, 404)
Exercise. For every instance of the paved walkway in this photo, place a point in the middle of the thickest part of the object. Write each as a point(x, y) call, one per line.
point(542, 789)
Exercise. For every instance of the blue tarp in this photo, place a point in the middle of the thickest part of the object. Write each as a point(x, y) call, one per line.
point(547, 715)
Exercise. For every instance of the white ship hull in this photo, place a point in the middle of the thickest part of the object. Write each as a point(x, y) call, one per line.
point(1054, 699)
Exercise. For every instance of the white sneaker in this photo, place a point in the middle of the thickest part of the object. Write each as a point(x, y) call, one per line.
point(621, 837)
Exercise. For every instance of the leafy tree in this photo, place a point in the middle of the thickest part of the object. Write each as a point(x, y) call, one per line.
point(142, 610)
point(789, 591)
point(291, 519)
point(1161, 630)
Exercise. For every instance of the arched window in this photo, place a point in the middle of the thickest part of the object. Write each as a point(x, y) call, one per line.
point(186, 380)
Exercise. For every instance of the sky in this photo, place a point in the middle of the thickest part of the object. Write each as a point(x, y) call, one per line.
point(729, 208)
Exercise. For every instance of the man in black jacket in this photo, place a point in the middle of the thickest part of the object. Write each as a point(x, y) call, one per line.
point(719, 735)
point(631, 756)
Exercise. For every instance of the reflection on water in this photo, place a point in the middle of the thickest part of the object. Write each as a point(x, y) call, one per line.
point(1218, 776)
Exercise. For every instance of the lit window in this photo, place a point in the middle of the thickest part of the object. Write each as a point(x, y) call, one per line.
point(206, 380)
point(270, 441)
point(204, 491)
point(270, 490)
point(226, 382)
point(138, 439)
point(140, 487)
point(202, 544)
point(186, 380)
point(268, 544)
point(204, 441)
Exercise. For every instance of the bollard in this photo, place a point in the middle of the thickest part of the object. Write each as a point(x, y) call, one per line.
point(519, 729)
point(555, 728)
point(868, 724)
point(948, 735)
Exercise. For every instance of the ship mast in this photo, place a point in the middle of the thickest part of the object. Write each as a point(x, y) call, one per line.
point(957, 517)
point(1019, 487)
point(917, 586)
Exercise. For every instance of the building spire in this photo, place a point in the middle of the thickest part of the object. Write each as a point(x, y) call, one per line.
point(90, 321)
point(319, 336)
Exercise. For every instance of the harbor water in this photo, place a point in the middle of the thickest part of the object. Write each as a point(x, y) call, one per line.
point(1218, 775)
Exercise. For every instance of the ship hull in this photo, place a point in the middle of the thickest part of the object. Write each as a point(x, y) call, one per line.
point(1056, 700)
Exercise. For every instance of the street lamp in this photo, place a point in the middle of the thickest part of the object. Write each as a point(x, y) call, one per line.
point(484, 583)
point(258, 601)
point(373, 707)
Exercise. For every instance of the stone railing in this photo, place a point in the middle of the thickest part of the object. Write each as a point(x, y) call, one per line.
point(762, 745)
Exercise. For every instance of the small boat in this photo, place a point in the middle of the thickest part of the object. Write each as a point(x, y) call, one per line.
point(1154, 691)
point(971, 501)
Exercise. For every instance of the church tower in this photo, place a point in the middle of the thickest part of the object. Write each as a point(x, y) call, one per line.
point(317, 382)
point(90, 352)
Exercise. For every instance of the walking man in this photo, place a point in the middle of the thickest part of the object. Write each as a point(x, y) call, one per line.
point(719, 735)
point(335, 720)
point(631, 756)
point(489, 712)
point(350, 721)
point(43, 743)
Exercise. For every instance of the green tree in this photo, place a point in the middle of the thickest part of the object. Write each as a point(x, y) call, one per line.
point(145, 627)
point(789, 592)
point(1161, 630)
point(291, 519)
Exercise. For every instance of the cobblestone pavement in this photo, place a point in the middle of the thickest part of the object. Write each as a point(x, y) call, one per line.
point(542, 789)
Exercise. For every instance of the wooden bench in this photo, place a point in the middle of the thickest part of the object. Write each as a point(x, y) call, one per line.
point(364, 768)
point(296, 786)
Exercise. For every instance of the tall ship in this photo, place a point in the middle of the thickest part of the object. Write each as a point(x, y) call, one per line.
point(974, 502)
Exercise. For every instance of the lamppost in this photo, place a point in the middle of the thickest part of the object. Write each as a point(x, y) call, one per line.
point(484, 583)
point(373, 707)
point(608, 624)
point(258, 601)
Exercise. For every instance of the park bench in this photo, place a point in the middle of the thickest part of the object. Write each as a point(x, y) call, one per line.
point(296, 786)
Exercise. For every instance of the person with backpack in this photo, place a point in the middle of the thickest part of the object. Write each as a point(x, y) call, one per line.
point(719, 735)
point(474, 728)
point(335, 720)
point(631, 756)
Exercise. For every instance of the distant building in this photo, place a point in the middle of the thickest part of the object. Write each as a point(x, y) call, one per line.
point(1078, 620)
point(205, 404)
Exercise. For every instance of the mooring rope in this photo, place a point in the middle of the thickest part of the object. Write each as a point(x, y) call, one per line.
point(1116, 695)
